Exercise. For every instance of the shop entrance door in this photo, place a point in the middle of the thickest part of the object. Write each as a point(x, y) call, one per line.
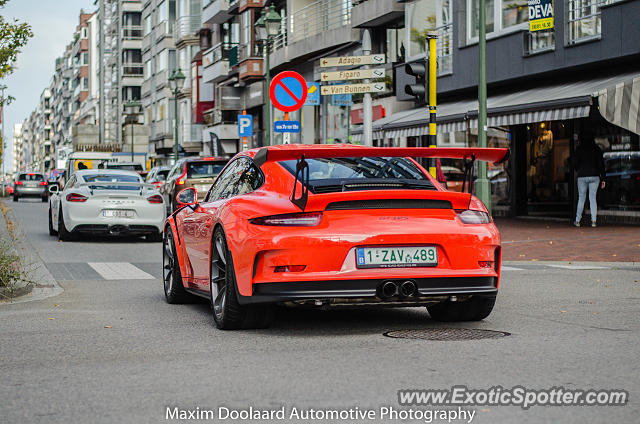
point(548, 169)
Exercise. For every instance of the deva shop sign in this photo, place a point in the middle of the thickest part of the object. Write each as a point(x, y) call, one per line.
point(540, 14)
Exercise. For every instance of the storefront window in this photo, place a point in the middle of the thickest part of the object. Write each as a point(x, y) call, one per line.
point(621, 153)
point(498, 174)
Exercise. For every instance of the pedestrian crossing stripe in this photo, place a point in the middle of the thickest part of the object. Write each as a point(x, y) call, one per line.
point(72, 271)
point(510, 268)
point(120, 271)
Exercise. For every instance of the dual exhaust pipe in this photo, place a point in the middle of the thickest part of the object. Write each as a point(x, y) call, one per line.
point(403, 289)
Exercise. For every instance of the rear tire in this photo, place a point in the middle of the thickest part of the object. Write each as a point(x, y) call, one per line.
point(227, 312)
point(15, 197)
point(52, 232)
point(476, 308)
point(45, 199)
point(63, 234)
point(174, 290)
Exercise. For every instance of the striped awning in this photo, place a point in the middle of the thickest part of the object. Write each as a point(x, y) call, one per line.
point(558, 114)
point(620, 104)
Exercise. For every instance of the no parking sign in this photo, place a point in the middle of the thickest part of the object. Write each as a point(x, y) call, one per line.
point(288, 91)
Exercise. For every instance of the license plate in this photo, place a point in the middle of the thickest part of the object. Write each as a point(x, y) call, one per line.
point(202, 188)
point(118, 213)
point(396, 257)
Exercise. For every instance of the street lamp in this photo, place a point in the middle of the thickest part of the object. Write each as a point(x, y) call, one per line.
point(132, 110)
point(176, 80)
point(267, 27)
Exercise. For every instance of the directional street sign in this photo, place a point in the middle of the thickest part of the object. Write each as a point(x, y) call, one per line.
point(375, 87)
point(353, 74)
point(286, 126)
point(372, 59)
point(288, 91)
point(245, 125)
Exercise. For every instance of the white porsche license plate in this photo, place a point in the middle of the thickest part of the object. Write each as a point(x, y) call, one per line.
point(396, 257)
point(202, 188)
point(118, 213)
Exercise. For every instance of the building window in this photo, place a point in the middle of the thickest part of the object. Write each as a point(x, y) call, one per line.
point(424, 16)
point(147, 25)
point(84, 58)
point(583, 20)
point(84, 33)
point(161, 61)
point(245, 34)
point(501, 15)
point(162, 11)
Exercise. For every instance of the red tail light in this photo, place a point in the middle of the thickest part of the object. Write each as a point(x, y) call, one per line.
point(476, 214)
point(485, 264)
point(76, 197)
point(18, 182)
point(158, 184)
point(43, 183)
point(305, 219)
point(182, 178)
point(156, 198)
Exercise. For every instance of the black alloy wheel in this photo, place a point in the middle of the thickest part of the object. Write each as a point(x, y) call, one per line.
point(174, 291)
point(228, 313)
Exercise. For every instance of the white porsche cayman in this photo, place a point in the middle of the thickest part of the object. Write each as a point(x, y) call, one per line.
point(106, 201)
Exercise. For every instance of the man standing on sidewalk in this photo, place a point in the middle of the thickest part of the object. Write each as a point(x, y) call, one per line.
point(590, 166)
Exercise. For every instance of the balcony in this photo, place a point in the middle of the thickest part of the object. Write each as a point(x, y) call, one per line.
point(374, 13)
point(132, 69)
point(216, 62)
point(164, 29)
point(226, 131)
point(216, 11)
point(132, 32)
point(191, 133)
point(187, 26)
point(318, 26)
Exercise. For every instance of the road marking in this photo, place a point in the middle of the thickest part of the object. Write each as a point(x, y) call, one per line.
point(120, 271)
point(510, 268)
point(578, 266)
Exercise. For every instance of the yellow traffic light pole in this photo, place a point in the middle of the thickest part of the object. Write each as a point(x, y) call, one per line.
point(432, 66)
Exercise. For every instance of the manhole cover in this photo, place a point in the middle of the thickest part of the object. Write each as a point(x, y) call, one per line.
point(446, 334)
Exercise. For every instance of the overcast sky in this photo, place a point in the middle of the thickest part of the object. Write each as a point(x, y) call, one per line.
point(53, 23)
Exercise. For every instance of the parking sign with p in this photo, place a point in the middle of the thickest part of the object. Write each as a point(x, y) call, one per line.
point(245, 125)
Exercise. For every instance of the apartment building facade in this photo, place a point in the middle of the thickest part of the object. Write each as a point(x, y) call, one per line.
point(18, 158)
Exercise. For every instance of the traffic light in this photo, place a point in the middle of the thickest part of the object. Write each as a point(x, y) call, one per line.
point(419, 89)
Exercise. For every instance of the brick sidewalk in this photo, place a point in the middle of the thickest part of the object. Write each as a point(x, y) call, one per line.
point(528, 239)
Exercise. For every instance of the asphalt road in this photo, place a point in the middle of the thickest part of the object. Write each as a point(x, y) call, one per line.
point(578, 329)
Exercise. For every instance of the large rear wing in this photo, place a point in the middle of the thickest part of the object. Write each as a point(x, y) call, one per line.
point(117, 184)
point(296, 152)
point(302, 152)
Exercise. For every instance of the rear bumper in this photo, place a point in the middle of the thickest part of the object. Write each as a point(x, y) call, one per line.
point(368, 290)
point(31, 192)
point(115, 229)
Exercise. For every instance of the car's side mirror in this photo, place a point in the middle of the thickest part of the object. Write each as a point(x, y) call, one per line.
point(53, 188)
point(188, 197)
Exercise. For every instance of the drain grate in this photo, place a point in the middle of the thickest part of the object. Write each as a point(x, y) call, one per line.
point(446, 334)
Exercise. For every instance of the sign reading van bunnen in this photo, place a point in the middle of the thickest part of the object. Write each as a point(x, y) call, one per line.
point(540, 15)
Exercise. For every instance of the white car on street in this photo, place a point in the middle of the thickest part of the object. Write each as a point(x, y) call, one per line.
point(106, 201)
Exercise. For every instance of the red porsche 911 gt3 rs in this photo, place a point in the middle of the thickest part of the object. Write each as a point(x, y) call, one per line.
point(334, 225)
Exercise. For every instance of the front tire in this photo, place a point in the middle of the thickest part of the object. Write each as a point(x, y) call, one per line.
point(476, 308)
point(155, 237)
point(228, 314)
point(174, 290)
point(15, 197)
point(52, 232)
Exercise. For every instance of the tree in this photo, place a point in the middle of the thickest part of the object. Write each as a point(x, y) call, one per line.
point(13, 36)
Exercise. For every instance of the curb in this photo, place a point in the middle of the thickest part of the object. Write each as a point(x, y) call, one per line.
point(46, 285)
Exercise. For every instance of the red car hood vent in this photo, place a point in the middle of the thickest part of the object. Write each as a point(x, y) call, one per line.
point(389, 204)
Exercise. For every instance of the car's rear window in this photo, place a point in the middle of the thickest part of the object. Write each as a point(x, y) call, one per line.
point(359, 168)
point(31, 177)
point(162, 175)
point(132, 167)
point(204, 169)
point(328, 175)
point(111, 178)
